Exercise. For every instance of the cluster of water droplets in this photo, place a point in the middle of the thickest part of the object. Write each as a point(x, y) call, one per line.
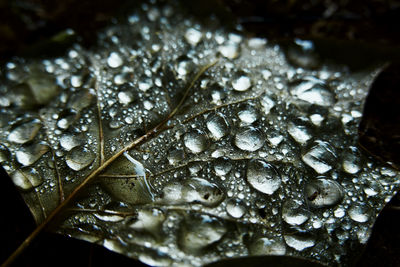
point(261, 159)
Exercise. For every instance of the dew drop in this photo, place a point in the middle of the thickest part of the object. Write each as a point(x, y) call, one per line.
point(79, 158)
point(320, 157)
point(241, 84)
point(26, 178)
point(320, 193)
point(217, 125)
point(25, 132)
point(249, 139)
point(293, 213)
point(263, 177)
point(235, 208)
point(195, 141)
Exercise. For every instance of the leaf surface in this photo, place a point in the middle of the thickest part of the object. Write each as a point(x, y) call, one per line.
point(175, 141)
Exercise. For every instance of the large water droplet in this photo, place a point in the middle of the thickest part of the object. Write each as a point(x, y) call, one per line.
point(299, 242)
point(26, 178)
point(235, 208)
point(241, 84)
point(193, 36)
point(196, 141)
point(249, 139)
point(200, 231)
point(148, 220)
point(30, 154)
point(217, 125)
point(323, 192)
point(293, 213)
point(79, 158)
point(248, 114)
point(222, 166)
point(193, 190)
point(320, 157)
point(313, 91)
point(229, 50)
point(175, 156)
point(69, 141)
point(25, 132)
point(299, 129)
point(114, 60)
point(263, 177)
point(266, 246)
point(359, 213)
point(352, 160)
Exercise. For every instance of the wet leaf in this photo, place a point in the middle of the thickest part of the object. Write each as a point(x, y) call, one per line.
point(190, 143)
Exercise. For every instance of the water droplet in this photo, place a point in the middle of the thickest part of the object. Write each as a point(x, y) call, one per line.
point(108, 217)
point(235, 208)
point(30, 154)
point(320, 193)
point(80, 100)
point(299, 130)
point(359, 213)
point(222, 166)
point(241, 84)
point(25, 132)
point(229, 50)
point(4, 154)
point(68, 142)
point(299, 242)
point(320, 157)
point(352, 160)
point(248, 114)
point(175, 156)
point(263, 177)
point(148, 220)
point(66, 121)
point(293, 213)
point(302, 53)
point(114, 60)
point(249, 139)
point(26, 178)
point(313, 91)
point(217, 125)
point(196, 141)
point(125, 97)
point(79, 158)
point(200, 231)
point(257, 43)
point(43, 86)
point(193, 36)
point(266, 246)
point(267, 104)
point(193, 190)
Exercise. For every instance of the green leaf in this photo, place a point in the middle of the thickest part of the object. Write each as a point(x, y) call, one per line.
point(175, 141)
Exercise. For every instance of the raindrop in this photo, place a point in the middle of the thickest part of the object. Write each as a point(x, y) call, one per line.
point(249, 139)
point(26, 178)
point(313, 91)
point(217, 125)
point(266, 246)
point(320, 157)
point(222, 166)
point(195, 141)
point(114, 60)
point(235, 208)
point(79, 158)
point(320, 193)
point(359, 213)
point(241, 84)
point(299, 242)
point(30, 154)
point(263, 177)
point(25, 132)
point(293, 213)
point(200, 231)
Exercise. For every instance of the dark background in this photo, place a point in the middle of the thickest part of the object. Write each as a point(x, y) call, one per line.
point(368, 30)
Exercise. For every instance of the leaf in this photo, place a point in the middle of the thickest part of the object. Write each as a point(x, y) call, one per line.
point(188, 143)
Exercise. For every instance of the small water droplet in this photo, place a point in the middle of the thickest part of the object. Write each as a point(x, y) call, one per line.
point(241, 84)
point(196, 141)
point(217, 125)
point(229, 50)
point(193, 36)
point(359, 213)
point(235, 208)
point(320, 193)
point(26, 178)
point(25, 132)
point(125, 97)
point(263, 177)
point(79, 158)
point(114, 60)
point(320, 157)
point(249, 139)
